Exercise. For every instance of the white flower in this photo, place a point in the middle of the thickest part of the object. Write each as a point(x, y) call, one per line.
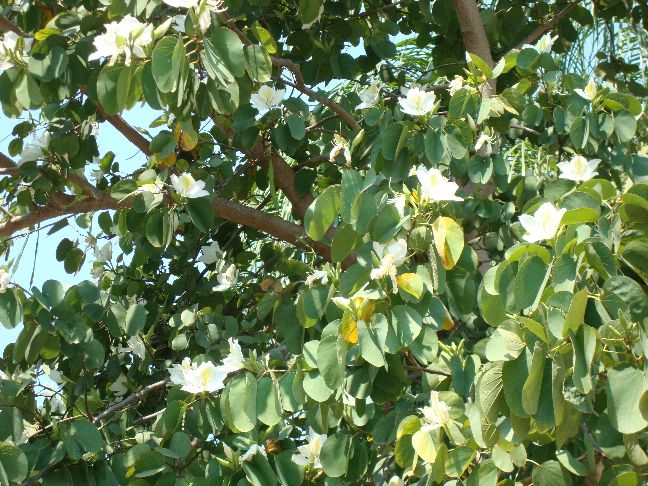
point(226, 279)
point(234, 360)
point(340, 145)
point(435, 186)
point(35, 150)
point(9, 49)
point(119, 387)
point(436, 414)
point(129, 36)
point(590, 91)
point(181, 3)
point(179, 23)
point(417, 102)
point(400, 202)
point(103, 254)
point(483, 139)
point(308, 25)
point(187, 186)
point(320, 275)
point(395, 481)
point(391, 255)
point(544, 44)
point(267, 98)
point(369, 97)
point(456, 84)
point(203, 12)
point(544, 223)
point(4, 280)
point(253, 451)
point(210, 253)
point(134, 345)
point(578, 169)
point(197, 379)
point(309, 454)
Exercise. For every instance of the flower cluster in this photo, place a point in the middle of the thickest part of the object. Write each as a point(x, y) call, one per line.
point(309, 453)
point(207, 377)
point(391, 255)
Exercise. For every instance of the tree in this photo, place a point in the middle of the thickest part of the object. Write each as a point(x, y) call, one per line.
point(374, 242)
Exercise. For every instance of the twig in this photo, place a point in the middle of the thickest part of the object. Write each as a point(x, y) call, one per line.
point(547, 26)
point(524, 129)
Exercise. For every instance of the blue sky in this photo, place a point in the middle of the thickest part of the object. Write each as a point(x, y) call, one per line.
point(43, 263)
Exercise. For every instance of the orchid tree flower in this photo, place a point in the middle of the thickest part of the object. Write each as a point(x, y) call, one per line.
point(253, 451)
point(578, 169)
point(456, 84)
point(589, 92)
point(435, 186)
point(4, 280)
point(226, 279)
point(435, 415)
point(417, 102)
point(543, 45)
point(186, 186)
point(210, 253)
point(369, 97)
point(391, 255)
point(317, 275)
point(103, 254)
point(135, 346)
point(309, 453)
point(544, 223)
point(195, 379)
point(129, 37)
point(340, 145)
point(234, 360)
point(267, 98)
point(35, 150)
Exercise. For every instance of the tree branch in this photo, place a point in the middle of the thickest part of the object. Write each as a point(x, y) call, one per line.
point(474, 36)
point(128, 131)
point(547, 26)
point(7, 25)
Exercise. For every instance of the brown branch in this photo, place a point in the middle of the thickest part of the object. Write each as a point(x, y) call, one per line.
point(134, 398)
point(524, 129)
point(474, 37)
point(547, 26)
point(122, 126)
point(7, 25)
point(300, 85)
point(427, 370)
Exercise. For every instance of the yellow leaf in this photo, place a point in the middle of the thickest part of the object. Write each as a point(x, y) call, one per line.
point(448, 323)
point(364, 308)
point(449, 241)
point(424, 445)
point(45, 33)
point(168, 161)
point(349, 329)
point(410, 283)
point(131, 471)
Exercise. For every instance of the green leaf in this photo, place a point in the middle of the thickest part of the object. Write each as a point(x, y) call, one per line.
point(529, 281)
point(504, 345)
point(344, 240)
point(331, 361)
point(135, 319)
point(490, 393)
point(625, 126)
point(370, 348)
point(296, 126)
point(631, 294)
point(50, 67)
point(228, 48)
point(322, 212)
point(268, 403)
point(458, 461)
point(407, 323)
point(258, 63)
point(166, 64)
point(201, 212)
point(107, 88)
point(87, 435)
point(390, 138)
point(334, 455)
point(550, 474)
point(242, 398)
point(532, 385)
point(584, 342)
point(309, 10)
point(11, 312)
point(424, 445)
point(315, 387)
point(576, 314)
point(13, 465)
point(624, 389)
point(435, 146)
point(572, 464)
point(579, 132)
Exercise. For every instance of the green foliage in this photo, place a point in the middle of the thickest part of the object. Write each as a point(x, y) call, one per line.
point(315, 278)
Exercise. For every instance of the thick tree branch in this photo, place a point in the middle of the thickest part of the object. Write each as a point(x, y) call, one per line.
point(128, 131)
point(547, 26)
point(474, 36)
